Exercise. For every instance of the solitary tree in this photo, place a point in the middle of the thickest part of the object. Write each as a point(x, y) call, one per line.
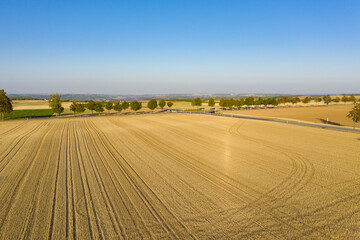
point(117, 107)
point(327, 99)
point(5, 104)
point(152, 104)
point(170, 104)
point(125, 105)
point(196, 102)
point(99, 107)
point(55, 103)
point(354, 114)
point(211, 102)
point(91, 106)
point(135, 105)
point(162, 103)
point(109, 106)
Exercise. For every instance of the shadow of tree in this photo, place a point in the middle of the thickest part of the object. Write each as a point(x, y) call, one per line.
point(329, 122)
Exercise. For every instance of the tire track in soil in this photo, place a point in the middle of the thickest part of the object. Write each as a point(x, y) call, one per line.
point(295, 177)
point(193, 139)
point(188, 138)
point(89, 160)
point(98, 155)
point(91, 215)
point(196, 141)
point(253, 206)
point(145, 201)
point(293, 184)
point(74, 165)
point(164, 180)
point(294, 190)
point(18, 144)
point(212, 178)
point(184, 200)
point(105, 195)
point(175, 153)
point(29, 218)
point(132, 177)
point(230, 188)
point(3, 135)
point(56, 183)
point(69, 181)
point(22, 177)
point(94, 137)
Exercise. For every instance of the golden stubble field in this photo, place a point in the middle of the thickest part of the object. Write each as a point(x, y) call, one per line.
point(43, 104)
point(334, 113)
point(34, 104)
point(177, 176)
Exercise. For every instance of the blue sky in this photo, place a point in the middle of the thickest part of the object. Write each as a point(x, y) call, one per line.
point(138, 47)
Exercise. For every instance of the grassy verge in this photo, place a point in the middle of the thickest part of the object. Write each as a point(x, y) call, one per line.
point(193, 110)
point(69, 112)
point(33, 113)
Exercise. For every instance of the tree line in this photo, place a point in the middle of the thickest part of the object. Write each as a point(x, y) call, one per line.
point(251, 101)
point(354, 114)
point(55, 103)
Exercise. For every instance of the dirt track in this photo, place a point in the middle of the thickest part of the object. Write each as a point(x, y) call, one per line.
point(177, 177)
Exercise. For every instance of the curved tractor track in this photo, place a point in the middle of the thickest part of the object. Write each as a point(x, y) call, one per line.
point(177, 176)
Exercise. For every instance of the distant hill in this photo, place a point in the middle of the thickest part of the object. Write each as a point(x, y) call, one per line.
point(108, 97)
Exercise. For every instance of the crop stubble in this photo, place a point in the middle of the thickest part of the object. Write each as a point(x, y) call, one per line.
point(176, 177)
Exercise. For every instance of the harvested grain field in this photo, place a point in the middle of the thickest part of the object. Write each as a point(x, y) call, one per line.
point(177, 176)
point(334, 113)
point(34, 104)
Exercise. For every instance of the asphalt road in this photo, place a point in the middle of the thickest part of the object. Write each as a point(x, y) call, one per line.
point(281, 121)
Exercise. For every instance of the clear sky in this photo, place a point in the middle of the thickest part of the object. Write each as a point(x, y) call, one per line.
point(185, 46)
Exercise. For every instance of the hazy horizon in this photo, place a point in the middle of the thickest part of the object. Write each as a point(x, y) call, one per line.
point(177, 47)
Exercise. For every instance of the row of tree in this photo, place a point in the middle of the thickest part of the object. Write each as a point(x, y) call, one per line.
point(152, 104)
point(99, 106)
point(354, 114)
point(55, 102)
point(249, 101)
